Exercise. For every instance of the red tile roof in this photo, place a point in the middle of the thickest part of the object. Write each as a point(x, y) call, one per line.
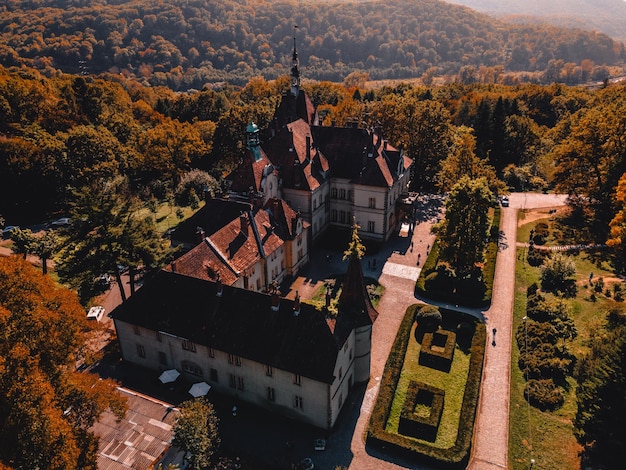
point(233, 249)
point(302, 164)
point(250, 172)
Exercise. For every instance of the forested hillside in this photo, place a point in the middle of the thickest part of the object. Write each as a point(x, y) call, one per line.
point(188, 43)
point(607, 16)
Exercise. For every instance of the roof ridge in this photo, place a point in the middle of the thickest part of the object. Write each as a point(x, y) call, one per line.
point(221, 255)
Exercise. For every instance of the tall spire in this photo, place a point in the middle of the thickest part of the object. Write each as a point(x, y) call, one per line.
point(295, 72)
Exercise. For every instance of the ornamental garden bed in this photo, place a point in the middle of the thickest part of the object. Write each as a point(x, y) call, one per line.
point(436, 424)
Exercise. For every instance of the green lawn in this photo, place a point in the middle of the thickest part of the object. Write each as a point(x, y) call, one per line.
point(374, 289)
point(165, 216)
point(452, 382)
point(548, 437)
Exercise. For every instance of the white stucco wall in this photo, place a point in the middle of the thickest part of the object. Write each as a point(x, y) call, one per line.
point(318, 407)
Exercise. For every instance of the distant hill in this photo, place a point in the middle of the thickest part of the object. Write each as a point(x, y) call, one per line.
point(607, 16)
point(189, 43)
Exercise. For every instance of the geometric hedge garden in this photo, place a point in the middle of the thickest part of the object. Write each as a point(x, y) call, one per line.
point(427, 399)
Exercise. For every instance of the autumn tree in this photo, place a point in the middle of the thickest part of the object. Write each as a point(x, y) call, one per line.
point(557, 272)
point(196, 431)
point(356, 249)
point(617, 235)
point(170, 148)
point(47, 406)
point(45, 247)
point(23, 241)
point(464, 162)
point(592, 159)
point(425, 129)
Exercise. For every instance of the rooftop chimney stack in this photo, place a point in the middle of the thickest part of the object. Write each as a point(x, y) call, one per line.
point(219, 288)
point(296, 305)
point(243, 221)
point(275, 295)
point(308, 147)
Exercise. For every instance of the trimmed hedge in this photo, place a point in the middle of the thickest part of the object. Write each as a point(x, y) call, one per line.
point(435, 358)
point(418, 426)
point(453, 457)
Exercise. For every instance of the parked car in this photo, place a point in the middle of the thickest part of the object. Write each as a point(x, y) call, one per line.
point(103, 280)
point(504, 201)
point(62, 222)
point(6, 232)
point(95, 313)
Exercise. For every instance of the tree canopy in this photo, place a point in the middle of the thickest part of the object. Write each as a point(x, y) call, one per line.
point(46, 407)
point(186, 44)
point(463, 231)
point(196, 432)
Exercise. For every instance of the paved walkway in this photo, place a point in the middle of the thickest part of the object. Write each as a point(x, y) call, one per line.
point(491, 428)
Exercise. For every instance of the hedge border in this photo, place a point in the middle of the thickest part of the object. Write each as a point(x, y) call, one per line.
point(376, 435)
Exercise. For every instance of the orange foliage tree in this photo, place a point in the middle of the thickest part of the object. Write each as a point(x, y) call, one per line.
point(46, 405)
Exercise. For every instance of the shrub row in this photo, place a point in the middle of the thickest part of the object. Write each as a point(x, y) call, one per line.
point(453, 457)
point(491, 252)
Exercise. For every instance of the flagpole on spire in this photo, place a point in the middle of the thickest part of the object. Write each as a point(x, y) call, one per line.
point(295, 72)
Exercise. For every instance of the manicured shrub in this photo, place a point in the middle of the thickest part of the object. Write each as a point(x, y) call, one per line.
point(428, 318)
point(540, 233)
point(421, 411)
point(543, 394)
point(535, 257)
point(437, 350)
point(456, 455)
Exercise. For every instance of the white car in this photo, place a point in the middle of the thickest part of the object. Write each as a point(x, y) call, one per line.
point(95, 313)
point(62, 222)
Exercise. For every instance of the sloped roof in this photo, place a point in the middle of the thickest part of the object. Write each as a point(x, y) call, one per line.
point(138, 440)
point(292, 108)
point(283, 218)
point(355, 307)
point(249, 173)
point(360, 155)
point(300, 168)
point(214, 215)
point(237, 246)
point(239, 322)
point(204, 261)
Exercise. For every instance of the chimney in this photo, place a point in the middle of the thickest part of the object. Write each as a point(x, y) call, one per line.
point(385, 144)
point(275, 300)
point(308, 147)
point(329, 295)
point(275, 210)
point(200, 234)
point(243, 221)
point(296, 305)
point(219, 288)
point(173, 266)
